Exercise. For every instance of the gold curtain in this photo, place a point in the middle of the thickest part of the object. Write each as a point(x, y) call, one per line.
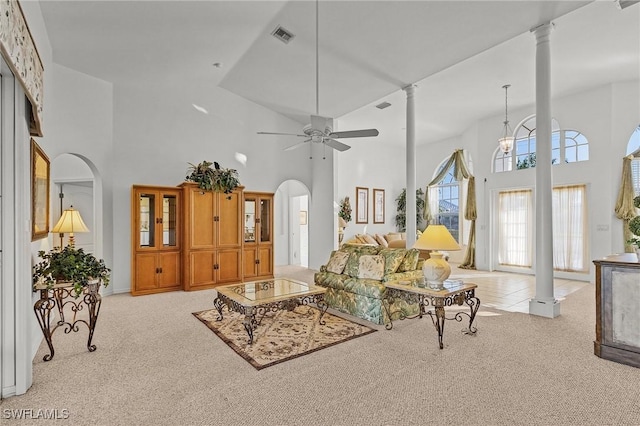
point(625, 209)
point(460, 172)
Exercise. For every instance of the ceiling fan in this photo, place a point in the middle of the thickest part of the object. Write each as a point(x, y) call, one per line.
point(320, 129)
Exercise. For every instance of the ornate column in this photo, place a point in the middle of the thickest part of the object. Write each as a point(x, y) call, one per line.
point(411, 166)
point(544, 302)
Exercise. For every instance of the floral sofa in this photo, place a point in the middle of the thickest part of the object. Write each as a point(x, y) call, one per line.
point(355, 275)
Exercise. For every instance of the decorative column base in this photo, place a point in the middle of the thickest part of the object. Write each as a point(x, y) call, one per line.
point(544, 308)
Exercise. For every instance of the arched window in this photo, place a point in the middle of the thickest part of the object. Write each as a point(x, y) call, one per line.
point(633, 148)
point(567, 146)
point(449, 203)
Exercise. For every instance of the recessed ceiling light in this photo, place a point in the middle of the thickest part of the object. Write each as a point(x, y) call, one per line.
point(383, 105)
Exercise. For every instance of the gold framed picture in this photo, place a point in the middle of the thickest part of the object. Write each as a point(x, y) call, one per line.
point(362, 205)
point(378, 205)
point(40, 175)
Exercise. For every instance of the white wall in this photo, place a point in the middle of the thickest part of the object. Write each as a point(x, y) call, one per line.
point(157, 132)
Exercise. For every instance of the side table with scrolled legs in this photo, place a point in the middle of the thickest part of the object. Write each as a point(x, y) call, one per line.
point(60, 295)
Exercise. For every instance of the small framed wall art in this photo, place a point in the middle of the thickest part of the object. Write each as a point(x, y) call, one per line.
point(362, 205)
point(378, 205)
point(40, 172)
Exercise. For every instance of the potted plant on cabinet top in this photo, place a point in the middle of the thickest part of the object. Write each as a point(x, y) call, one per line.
point(70, 265)
point(217, 179)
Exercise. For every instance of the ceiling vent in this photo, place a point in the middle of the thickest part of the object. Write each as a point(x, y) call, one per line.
point(623, 4)
point(282, 34)
point(383, 105)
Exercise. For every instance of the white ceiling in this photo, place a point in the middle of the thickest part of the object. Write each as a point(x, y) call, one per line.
point(459, 53)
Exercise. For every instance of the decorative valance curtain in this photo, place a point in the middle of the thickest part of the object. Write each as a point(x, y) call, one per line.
point(20, 53)
point(460, 172)
point(625, 209)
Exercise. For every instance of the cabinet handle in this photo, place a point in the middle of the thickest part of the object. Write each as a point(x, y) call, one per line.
point(216, 218)
point(160, 270)
point(257, 261)
point(157, 270)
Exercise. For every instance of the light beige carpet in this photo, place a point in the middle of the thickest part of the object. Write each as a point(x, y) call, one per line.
point(282, 335)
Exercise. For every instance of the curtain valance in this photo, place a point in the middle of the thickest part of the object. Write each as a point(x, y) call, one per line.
point(20, 53)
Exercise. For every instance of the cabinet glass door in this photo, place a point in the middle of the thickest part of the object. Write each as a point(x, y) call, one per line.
point(250, 221)
point(147, 220)
point(169, 220)
point(265, 221)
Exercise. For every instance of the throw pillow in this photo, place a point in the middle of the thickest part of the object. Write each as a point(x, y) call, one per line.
point(351, 268)
point(337, 262)
point(371, 267)
point(380, 239)
point(410, 261)
point(361, 239)
point(392, 259)
point(369, 239)
point(392, 236)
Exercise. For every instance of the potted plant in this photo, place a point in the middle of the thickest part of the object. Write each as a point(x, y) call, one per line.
point(70, 265)
point(634, 227)
point(217, 179)
point(345, 210)
point(401, 216)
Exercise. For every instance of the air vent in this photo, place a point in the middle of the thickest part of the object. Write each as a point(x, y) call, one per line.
point(383, 105)
point(282, 34)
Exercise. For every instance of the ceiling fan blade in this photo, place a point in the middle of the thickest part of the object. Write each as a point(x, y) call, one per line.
point(319, 123)
point(355, 133)
point(336, 145)
point(299, 144)
point(282, 134)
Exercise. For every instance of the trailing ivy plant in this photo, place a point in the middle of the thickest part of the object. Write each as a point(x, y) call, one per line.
point(401, 216)
point(69, 265)
point(217, 179)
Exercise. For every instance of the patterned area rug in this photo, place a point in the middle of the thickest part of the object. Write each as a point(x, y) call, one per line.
point(282, 335)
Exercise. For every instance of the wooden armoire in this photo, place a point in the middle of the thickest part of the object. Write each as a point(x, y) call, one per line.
point(201, 239)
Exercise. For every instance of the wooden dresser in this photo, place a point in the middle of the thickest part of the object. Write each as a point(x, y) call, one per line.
point(618, 309)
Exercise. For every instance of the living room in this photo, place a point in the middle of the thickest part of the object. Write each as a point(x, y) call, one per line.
point(147, 134)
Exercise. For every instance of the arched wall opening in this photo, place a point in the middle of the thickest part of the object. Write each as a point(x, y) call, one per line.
point(291, 224)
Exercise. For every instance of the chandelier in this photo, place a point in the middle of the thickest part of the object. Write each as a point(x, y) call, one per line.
point(506, 141)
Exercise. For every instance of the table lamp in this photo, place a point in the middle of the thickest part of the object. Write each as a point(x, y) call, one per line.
point(436, 269)
point(70, 222)
point(341, 225)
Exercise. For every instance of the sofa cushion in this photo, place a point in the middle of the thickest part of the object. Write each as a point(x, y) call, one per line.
point(392, 259)
point(410, 261)
point(365, 287)
point(380, 240)
point(397, 244)
point(369, 239)
point(392, 236)
point(371, 266)
point(338, 261)
point(351, 267)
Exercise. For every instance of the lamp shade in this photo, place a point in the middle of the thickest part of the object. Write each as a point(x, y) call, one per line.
point(70, 222)
point(436, 237)
point(341, 222)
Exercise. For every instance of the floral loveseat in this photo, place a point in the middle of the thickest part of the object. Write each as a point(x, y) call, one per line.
point(355, 275)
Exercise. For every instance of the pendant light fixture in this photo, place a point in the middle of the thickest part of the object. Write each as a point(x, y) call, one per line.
point(507, 139)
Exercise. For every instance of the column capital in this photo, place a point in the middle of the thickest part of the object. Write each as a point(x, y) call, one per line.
point(410, 88)
point(542, 31)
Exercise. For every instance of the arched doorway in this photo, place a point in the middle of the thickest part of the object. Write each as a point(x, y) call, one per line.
point(291, 244)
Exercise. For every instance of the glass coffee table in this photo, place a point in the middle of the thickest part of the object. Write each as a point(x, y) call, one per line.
point(255, 299)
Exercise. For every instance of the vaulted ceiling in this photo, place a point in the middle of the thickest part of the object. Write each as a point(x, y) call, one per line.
point(459, 53)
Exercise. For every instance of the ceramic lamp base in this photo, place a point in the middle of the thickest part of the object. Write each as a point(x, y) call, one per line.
point(436, 270)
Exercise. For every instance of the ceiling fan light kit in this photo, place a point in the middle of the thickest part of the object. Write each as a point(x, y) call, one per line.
point(320, 129)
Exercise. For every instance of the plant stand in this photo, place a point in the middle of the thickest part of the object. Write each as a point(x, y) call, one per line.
point(57, 296)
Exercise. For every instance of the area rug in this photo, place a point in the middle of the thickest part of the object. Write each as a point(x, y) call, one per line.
point(282, 335)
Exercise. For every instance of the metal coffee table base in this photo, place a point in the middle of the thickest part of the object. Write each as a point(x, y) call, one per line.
point(250, 313)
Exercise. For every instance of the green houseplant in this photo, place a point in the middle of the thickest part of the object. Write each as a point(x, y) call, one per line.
point(217, 179)
point(634, 227)
point(401, 216)
point(70, 265)
point(345, 210)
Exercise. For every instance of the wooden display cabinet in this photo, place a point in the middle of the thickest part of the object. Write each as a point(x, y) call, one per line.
point(258, 236)
point(212, 252)
point(155, 239)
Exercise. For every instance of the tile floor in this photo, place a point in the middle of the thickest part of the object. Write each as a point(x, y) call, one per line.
point(511, 292)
